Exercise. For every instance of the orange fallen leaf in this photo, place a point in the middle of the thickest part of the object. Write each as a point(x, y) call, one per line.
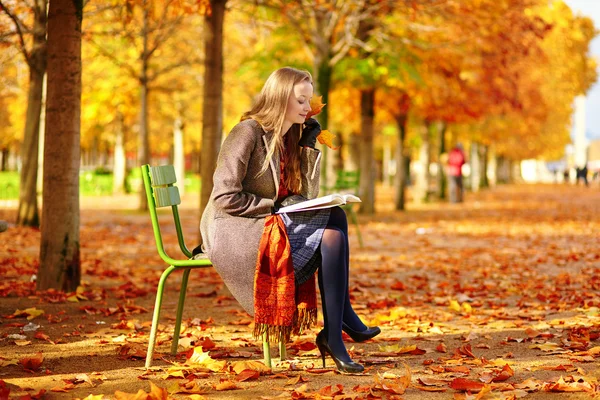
point(156, 393)
point(64, 389)
point(441, 348)
point(464, 385)
point(331, 391)
point(252, 365)
point(207, 344)
point(247, 374)
point(316, 105)
point(506, 373)
point(296, 380)
point(466, 350)
point(140, 395)
point(326, 138)
point(42, 336)
point(562, 386)
point(461, 369)
point(32, 363)
point(432, 381)
point(226, 385)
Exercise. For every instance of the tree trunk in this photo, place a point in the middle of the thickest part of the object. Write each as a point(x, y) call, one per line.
point(4, 163)
point(119, 163)
point(484, 166)
point(353, 162)
point(178, 154)
point(60, 266)
point(387, 161)
point(212, 108)
point(502, 173)
point(401, 171)
point(144, 142)
point(441, 175)
point(492, 167)
point(27, 214)
point(423, 178)
point(367, 165)
point(323, 79)
point(475, 161)
point(40, 173)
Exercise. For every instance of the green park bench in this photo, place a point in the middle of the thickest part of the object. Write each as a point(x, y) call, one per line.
point(158, 183)
point(348, 182)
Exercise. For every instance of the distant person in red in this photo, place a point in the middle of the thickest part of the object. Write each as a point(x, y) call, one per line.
point(456, 159)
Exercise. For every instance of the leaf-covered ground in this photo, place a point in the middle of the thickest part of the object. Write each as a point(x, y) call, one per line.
point(495, 298)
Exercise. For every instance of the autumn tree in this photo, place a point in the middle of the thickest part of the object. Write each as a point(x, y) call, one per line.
point(29, 35)
point(9, 96)
point(329, 30)
point(146, 41)
point(60, 266)
point(212, 111)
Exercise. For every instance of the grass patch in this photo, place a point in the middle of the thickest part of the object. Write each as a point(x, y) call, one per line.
point(92, 183)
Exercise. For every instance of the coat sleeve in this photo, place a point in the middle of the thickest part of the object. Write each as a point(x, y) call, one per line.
point(232, 166)
point(310, 169)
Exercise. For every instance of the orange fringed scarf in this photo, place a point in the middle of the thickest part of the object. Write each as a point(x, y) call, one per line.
point(280, 308)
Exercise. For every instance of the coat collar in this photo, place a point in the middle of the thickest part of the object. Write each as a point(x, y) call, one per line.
point(274, 170)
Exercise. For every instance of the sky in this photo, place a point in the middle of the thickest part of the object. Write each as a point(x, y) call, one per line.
point(591, 8)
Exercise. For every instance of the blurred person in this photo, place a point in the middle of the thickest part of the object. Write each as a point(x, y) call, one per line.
point(582, 173)
point(456, 159)
point(566, 175)
point(270, 157)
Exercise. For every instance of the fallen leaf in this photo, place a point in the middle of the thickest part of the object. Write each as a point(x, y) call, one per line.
point(240, 366)
point(332, 391)
point(316, 106)
point(247, 374)
point(326, 138)
point(464, 385)
point(226, 385)
point(32, 363)
point(30, 313)
point(441, 348)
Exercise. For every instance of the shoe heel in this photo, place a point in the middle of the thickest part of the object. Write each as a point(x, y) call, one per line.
point(323, 354)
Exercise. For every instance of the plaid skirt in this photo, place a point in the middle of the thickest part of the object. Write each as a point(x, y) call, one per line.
point(305, 231)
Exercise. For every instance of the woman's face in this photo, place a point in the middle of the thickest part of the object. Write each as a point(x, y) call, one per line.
point(299, 103)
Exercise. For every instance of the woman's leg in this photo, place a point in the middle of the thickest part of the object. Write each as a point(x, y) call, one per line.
point(337, 219)
point(333, 288)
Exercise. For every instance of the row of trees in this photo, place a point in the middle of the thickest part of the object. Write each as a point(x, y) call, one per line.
point(498, 75)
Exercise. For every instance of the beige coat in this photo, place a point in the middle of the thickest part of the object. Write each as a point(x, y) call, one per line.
point(233, 221)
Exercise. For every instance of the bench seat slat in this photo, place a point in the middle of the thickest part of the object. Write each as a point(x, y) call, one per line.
point(167, 196)
point(163, 175)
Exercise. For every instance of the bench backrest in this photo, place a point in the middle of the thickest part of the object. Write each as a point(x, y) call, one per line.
point(347, 181)
point(160, 192)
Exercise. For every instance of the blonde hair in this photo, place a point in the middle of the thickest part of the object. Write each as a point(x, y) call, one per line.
point(269, 111)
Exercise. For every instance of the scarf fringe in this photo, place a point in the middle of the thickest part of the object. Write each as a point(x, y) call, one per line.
point(303, 319)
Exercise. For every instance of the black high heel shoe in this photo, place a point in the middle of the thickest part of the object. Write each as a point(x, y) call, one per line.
point(342, 366)
point(367, 334)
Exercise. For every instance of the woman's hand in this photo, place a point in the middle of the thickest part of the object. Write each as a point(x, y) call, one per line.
point(311, 130)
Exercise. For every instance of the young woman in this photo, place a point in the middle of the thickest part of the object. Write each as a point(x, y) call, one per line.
point(268, 157)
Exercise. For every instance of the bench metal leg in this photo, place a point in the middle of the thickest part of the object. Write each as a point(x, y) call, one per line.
point(156, 315)
point(182, 292)
point(355, 222)
point(282, 350)
point(267, 351)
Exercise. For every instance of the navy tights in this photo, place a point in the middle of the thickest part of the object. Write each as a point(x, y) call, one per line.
point(333, 283)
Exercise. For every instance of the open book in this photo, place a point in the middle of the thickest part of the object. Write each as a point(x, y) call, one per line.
point(328, 201)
